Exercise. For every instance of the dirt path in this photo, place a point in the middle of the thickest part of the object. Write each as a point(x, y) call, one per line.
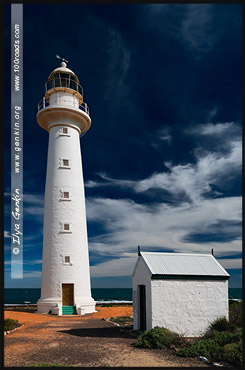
point(81, 341)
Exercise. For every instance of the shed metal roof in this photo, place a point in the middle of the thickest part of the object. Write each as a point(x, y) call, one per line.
point(183, 264)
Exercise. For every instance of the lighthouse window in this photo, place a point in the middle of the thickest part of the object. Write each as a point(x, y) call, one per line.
point(66, 162)
point(65, 195)
point(73, 83)
point(66, 228)
point(67, 259)
point(64, 131)
point(56, 80)
point(64, 79)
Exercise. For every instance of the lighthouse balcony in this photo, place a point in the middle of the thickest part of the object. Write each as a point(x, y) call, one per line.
point(45, 102)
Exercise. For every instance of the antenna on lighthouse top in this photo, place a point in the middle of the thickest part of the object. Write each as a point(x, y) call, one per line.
point(64, 61)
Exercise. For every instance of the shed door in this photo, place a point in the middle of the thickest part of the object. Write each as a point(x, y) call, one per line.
point(142, 311)
point(67, 294)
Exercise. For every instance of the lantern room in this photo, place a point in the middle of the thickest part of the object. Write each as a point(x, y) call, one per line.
point(63, 101)
point(63, 79)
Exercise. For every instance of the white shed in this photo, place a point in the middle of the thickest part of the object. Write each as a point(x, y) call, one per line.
point(181, 292)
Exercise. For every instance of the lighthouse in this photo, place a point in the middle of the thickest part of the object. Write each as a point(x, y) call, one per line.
point(65, 264)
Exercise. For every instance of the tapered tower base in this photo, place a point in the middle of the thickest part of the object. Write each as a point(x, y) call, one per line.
point(55, 307)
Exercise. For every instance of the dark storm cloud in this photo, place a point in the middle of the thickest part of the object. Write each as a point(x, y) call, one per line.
point(221, 231)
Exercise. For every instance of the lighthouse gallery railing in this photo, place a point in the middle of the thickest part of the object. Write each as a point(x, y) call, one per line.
point(45, 103)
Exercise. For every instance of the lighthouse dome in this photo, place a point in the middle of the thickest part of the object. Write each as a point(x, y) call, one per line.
point(63, 69)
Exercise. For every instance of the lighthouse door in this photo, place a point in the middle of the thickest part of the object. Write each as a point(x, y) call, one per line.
point(67, 294)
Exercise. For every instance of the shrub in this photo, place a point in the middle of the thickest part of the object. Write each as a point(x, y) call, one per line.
point(10, 324)
point(235, 313)
point(223, 338)
point(233, 353)
point(220, 324)
point(200, 348)
point(174, 338)
point(158, 338)
point(154, 338)
point(219, 346)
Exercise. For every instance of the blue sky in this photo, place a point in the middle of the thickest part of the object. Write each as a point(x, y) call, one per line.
point(162, 159)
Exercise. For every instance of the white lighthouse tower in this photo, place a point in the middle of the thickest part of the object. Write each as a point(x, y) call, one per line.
point(65, 265)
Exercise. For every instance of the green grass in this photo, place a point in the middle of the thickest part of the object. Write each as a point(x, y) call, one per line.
point(113, 304)
point(122, 320)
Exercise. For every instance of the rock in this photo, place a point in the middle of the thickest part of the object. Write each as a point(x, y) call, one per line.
point(174, 348)
point(204, 359)
point(217, 364)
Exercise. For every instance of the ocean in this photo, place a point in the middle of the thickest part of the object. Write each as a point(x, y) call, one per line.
point(112, 295)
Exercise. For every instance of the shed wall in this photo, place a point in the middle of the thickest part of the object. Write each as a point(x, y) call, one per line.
point(188, 306)
point(142, 276)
